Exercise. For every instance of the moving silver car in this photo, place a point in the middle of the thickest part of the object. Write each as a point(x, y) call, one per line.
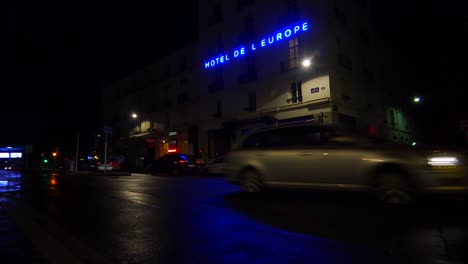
point(324, 156)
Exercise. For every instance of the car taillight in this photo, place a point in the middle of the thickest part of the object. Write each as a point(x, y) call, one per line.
point(110, 163)
point(198, 161)
point(181, 161)
point(99, 163)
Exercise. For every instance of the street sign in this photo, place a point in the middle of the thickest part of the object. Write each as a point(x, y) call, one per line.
point(108, 130)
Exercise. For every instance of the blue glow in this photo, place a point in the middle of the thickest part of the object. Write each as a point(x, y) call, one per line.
point(3, 183)
point(268, 40)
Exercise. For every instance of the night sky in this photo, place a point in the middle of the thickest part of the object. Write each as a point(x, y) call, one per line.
point(58, 55)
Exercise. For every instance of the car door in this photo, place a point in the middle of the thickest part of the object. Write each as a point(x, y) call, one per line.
point(279, 155)
point(309, 156)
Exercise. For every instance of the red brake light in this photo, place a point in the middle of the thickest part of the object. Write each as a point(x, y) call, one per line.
point(198, 161)
point(181, 161)
point(99, 163)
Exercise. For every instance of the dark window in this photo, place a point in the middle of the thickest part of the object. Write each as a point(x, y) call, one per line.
point(340, 16)
point(183, 65)
point(241, 4)
point(249, 28)
point(296, 92)
point(219, 108)
point(182, 97)
point(251, 70)
point(345, 61)
point(216, 15)
point(167, 72)
point(252, 101)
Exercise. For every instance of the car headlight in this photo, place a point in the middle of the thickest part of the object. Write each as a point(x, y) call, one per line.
point(443, 161)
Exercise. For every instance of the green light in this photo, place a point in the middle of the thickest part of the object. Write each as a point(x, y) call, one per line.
point(45, 161)
point(414, 143)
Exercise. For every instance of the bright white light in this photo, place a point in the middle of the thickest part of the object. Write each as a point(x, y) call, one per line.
point(9, 147)
point(134, 115)
point(414, 143)
point(443, 161)
point(416, 99)
point(306, 63)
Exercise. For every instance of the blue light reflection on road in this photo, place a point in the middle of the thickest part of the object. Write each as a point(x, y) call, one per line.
point(10, 181)
point(219, 234)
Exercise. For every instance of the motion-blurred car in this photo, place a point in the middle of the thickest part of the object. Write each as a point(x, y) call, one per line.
point(327, 157)
point(215, 167)
point(176, 164)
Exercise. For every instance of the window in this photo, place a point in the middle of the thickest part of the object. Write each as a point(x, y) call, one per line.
point(296, 92)
point(294, 53)
point(290, 6)
point(167, 72)
point(251, 74)
point(252, 101)
point(216, 15)
point(241, 4)
point(345, 61)
point(219, 108)
point(340, 16)
point(249, 27)
point(182, 97)
point(183, 64)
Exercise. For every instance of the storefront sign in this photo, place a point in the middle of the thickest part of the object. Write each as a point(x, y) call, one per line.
point(270, 40)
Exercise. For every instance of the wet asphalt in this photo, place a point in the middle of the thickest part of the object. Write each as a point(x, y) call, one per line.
point(205, 219)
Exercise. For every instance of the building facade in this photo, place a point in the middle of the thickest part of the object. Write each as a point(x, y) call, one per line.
point(155, 110)
point(285, 60)
point(256, 63)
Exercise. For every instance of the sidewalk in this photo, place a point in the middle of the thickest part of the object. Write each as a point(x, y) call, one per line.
point(14, 246)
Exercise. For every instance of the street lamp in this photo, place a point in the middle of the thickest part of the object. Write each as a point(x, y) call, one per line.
point(134, 115)
point(417, 99)
point(306, 63)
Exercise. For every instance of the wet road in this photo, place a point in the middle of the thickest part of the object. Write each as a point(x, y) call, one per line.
point(161, 219)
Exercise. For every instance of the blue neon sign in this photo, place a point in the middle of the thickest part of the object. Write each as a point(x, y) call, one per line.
point(270, 40)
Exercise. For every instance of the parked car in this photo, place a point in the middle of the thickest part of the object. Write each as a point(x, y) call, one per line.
point(113, 164)
point(215, 167)
point(328, 157)
point(176, 164)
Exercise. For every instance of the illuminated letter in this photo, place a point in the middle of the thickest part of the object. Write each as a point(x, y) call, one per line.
point(253, 46)
point(217, 60)
point(207, 64)
point(263, 42)
point(227, 57)
point(296, 29)
point(271, 40)
point(221, 59)
point(278, 36)
point(236, 53)
point(305, 26)
point(212, 63)
point(287, 33)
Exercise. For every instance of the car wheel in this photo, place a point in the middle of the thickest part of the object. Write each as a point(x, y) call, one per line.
point(393, 188)
point(251, 182)
point(175, 171)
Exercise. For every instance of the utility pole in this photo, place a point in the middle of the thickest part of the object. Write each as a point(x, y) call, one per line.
point(107, 132)
point(105, 153)
point(76, 157)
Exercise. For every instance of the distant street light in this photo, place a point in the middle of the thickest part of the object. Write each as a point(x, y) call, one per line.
point(306, 62)
point(134, 115)
point(417, 99)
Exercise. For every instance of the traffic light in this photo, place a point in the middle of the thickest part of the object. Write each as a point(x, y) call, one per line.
point(45, 161)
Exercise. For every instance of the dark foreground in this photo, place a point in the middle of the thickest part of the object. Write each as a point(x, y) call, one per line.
point(161, 219)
